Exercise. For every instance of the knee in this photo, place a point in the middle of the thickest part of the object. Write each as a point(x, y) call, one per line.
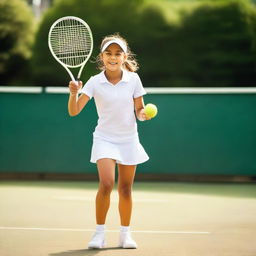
point(106, 187)
point(125, 190)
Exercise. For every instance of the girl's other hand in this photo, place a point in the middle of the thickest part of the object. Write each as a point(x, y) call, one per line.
point(74, 87)
point(143, 116)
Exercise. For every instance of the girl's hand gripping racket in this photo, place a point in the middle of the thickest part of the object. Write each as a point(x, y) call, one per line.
point(70, 41)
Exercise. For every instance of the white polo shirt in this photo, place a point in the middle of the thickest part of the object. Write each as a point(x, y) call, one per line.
point(115, 105)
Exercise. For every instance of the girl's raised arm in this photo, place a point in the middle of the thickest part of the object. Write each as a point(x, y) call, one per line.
point(76, 103)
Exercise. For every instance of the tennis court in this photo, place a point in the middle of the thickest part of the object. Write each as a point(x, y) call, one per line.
point(57, 219)
point(196, 196)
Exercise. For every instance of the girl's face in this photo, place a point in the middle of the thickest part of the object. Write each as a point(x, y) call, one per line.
point(113, 58)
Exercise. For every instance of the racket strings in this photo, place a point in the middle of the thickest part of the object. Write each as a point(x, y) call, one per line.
point(71, 42)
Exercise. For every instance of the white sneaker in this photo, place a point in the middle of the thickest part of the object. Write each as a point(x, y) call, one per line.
point(97, 241)
point(126, 241)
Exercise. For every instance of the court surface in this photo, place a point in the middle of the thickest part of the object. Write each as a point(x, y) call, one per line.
point(169, 219)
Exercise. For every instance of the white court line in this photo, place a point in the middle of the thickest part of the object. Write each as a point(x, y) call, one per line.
point(200, 90)
point(58, 90)
point(110, 231)
point(23, 89)
point(149, 90)
point(176, 90)
point(80, 198)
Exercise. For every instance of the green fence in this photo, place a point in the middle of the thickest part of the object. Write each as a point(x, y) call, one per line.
point(197, 131)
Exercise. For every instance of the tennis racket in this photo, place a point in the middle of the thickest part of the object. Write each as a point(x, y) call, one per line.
point(71, 43)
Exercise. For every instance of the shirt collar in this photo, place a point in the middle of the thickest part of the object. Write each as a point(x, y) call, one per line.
point(125, 77)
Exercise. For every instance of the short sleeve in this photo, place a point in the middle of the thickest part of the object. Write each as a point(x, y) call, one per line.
point(138, 90)
point(88, 88)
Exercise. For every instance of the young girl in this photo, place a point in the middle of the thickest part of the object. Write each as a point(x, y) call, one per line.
point(118, 92)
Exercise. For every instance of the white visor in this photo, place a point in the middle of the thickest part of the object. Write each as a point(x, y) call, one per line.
point(115, 41)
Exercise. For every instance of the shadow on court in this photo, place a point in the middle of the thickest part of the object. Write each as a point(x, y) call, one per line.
point(84, 252)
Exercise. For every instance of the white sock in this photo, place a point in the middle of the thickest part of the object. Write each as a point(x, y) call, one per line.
point(100, 228)
point(124, 228)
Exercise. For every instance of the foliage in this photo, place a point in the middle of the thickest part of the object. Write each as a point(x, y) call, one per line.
point(215, 46)
point(211, 45)
point(177, 42)
point(16, 37)
point(104, 17)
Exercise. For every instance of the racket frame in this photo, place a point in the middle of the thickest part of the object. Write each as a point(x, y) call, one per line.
point(57, 59)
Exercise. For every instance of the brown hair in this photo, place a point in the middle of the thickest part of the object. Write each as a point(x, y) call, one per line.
point(130, 63)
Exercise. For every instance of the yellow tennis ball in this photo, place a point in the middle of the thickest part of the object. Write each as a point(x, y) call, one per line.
point(150, 110)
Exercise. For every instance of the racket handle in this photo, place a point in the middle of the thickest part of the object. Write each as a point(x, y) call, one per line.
point(77, 81)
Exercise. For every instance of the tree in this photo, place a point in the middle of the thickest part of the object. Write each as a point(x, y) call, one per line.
point(214, 46)
point(142, 27)
point(16, 38)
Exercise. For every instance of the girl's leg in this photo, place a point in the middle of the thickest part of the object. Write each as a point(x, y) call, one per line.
point(126, 175)
point(106, 170)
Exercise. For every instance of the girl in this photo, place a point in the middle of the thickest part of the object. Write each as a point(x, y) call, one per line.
point(117, 91)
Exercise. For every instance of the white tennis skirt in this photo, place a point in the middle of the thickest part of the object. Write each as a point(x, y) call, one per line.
point(126, 153)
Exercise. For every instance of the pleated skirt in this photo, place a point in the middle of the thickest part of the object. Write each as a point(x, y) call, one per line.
point(126, 153)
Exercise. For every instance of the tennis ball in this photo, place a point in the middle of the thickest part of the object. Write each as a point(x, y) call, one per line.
point(150, 110)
